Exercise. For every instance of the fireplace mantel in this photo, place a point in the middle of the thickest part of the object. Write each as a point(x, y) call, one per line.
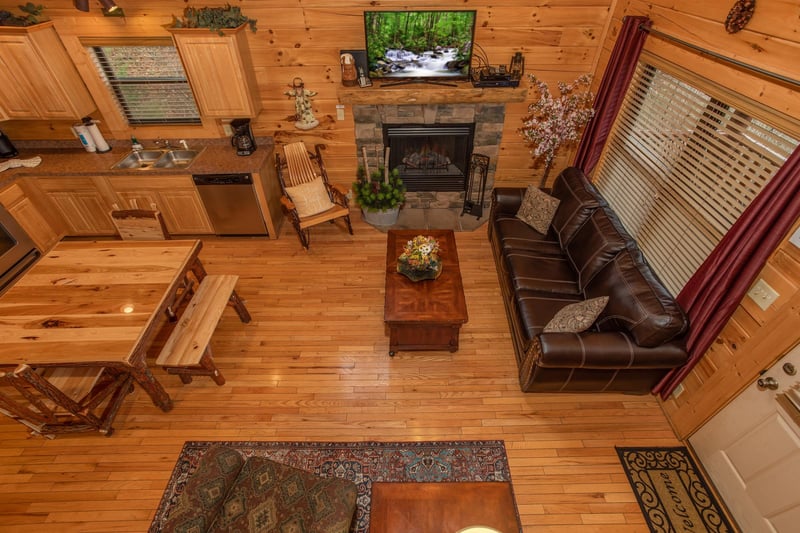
point(421, 93)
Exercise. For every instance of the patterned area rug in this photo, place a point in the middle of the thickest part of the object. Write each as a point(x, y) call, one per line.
point(671, 492)
point(361, 462)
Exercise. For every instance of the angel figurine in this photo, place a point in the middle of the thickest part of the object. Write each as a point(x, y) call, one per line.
point(302, 104)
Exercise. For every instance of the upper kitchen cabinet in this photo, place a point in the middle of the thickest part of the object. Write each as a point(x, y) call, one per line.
point(38, 79)
point(220, 71)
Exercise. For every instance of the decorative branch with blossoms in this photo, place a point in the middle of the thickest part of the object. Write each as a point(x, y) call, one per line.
point(553, 122)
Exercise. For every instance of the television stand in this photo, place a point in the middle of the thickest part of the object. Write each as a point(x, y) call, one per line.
point(418, 80)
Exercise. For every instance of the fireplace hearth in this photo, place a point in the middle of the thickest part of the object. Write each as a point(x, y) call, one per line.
point(432, 181)
point(430, 157)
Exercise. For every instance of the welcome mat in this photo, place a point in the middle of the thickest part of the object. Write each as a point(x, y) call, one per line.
point(361, 462)
point(671, 492)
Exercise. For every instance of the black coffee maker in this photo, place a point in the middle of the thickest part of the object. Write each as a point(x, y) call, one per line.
point(243, 139)
point(7, 148)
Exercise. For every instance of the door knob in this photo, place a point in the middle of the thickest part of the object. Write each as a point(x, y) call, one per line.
point(767, 384)
point(789, 368)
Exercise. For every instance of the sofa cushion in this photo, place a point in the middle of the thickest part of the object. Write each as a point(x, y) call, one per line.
point(310, 198)
point(535, 309)
point(595, 243)
point(514, 234)
point(541, 271)
point(277, 497)
point(205, 491)
point(537, 209)
point(638, 302)
point(577, 202)
point(577, 317)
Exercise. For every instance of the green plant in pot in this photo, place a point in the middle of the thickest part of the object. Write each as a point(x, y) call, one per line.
point(379, 193)
point(213, 18)
point(33, 15)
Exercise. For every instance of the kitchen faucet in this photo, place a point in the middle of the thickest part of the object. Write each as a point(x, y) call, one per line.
point(183, 143)
point(161, 142)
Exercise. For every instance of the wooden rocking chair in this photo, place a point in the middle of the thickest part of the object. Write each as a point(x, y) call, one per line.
point(308, 198)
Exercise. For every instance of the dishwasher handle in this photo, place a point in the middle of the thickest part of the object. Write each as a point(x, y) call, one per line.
point(222, 179)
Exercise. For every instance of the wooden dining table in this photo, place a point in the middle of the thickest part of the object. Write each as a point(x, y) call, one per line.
point(98, 304)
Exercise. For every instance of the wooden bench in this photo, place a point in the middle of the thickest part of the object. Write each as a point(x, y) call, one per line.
point(187, 352)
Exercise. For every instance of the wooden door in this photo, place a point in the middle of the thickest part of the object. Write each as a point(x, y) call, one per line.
point(82, 203)
point(184, 213)
point(37, 76)
point(29, 217)
point(220, 71)
point(751, 450)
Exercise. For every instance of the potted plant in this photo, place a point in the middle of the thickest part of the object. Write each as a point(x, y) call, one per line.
point(32, 16)
point(380, 195)
point(553, 122)
point(214, 18)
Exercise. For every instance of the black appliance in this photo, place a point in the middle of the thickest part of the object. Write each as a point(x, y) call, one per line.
point(7, 148)
point(17, 250)
point(243, 139)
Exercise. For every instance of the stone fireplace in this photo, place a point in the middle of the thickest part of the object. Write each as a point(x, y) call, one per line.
point(436, 166)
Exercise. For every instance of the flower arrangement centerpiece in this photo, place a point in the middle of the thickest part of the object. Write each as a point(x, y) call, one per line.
point(420, 259)
point(553, 122)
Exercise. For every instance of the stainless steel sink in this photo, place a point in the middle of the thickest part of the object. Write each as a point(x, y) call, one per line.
point(142, 160)
point(154, 159)
point(176, 159)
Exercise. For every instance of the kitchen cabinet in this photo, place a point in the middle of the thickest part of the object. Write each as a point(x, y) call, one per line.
point(220, 71)
point(84, 204)
point(174, 195)
point(28, 215)
point(38, 79)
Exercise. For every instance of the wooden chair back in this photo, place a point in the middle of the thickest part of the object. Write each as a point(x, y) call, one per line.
point(300, 168)
point(139, 224)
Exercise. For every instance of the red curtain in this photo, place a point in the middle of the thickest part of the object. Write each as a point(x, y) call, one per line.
point(712, 294)
point(611, 92)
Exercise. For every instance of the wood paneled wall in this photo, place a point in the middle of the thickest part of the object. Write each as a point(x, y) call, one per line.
point(559, 38)
point(753, 339)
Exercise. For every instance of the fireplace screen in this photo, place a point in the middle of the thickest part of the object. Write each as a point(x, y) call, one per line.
point(430, 157)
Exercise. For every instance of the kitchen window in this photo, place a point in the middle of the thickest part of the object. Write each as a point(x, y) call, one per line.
point(146, 79)
point(683, 161)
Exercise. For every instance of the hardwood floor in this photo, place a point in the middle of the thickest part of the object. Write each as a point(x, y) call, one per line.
point(313, 365)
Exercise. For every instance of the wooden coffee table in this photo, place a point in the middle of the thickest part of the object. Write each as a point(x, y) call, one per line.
point(442, 507)
point(424, 315)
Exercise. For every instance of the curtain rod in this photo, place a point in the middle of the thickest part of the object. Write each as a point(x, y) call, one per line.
point(721, 57)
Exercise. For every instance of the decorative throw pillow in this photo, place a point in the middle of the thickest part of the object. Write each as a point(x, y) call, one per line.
point(537, 209)
point(310, 198)
point(577, 317)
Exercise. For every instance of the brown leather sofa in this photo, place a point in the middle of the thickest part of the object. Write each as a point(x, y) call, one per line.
point(586, 253)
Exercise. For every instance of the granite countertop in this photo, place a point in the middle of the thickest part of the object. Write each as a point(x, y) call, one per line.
point(216, 156)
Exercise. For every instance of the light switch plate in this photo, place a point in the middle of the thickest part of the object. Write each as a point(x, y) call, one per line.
point(227, 129)
point(339, 111)
point(762, 294)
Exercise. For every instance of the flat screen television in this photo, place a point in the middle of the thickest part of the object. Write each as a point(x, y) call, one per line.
point(419, 46)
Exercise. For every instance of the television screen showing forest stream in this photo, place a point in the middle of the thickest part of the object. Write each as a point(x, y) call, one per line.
point(419, 44)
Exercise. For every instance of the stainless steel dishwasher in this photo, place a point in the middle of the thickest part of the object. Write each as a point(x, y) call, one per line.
point(231, 204)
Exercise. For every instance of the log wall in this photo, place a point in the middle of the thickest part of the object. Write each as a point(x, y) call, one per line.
point(753, 339)
point(559, 38)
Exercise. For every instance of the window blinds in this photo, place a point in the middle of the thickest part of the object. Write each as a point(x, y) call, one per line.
point(148, 83)
point(681, 166)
